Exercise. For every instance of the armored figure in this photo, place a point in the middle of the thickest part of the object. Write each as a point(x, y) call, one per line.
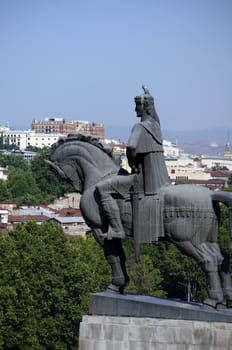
point(145, 157)
point(145, 149)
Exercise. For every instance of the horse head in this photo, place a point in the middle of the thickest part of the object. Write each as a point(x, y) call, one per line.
point(81, 160)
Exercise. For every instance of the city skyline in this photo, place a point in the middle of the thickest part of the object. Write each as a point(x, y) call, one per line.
point(87, 60)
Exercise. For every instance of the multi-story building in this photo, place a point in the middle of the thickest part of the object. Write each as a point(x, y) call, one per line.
point(23, 139)
point(60, 125)
point(46, 132)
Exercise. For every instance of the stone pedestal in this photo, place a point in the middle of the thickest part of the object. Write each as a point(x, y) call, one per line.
point(134, 333)
point(138, 322)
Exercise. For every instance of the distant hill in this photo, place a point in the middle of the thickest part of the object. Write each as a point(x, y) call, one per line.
point(211, 141)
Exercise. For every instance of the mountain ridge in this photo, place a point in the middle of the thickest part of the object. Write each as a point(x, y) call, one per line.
point(211, 141)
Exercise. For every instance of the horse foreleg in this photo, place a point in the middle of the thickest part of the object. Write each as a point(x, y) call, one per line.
point(115, 256)
point(122, 256)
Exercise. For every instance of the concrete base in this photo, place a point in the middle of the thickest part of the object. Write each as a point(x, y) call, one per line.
point(137, 333)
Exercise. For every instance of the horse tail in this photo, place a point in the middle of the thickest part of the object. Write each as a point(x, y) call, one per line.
point(225, 198)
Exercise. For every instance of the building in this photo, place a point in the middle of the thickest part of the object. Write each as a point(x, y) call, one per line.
point(228, 151)
point(171, 150)
point(118, 147)
point(4, 216)
point(14, 220)
point(70, 219)
point(217, 162)
point(23, 139)
point(11, 207)
point(46, 132)
point(61, 126)
point(3, 173)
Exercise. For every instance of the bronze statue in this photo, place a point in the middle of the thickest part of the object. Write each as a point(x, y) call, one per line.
point(144, 204)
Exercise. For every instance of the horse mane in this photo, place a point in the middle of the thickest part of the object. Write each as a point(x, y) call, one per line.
point(93, 140)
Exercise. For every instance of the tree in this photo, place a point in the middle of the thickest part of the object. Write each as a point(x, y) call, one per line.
point(45, 281)
point(5, 194)
point(31, 183)
point(48, 182)
point(183, 275)
point(168, 270)
point(33, 148)
point(23, 187)
point(13, 160)
point(144, 277)
point(230, 180)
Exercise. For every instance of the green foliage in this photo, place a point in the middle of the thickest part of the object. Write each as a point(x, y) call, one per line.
point(48, 182)
point(144, 277)
point(30, 183)
point(224, 232)
point(219, 167)
point(230, 180)
point(33, 148)
point(224, 236)
point(45, 281)
point(13, 160)
point(23, 187)
point(182, 275)
point(5, 193)
point(164, 271)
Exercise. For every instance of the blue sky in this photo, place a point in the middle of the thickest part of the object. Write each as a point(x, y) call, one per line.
point(87, 59)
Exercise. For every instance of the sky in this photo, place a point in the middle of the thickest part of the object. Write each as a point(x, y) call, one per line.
point(87, 60)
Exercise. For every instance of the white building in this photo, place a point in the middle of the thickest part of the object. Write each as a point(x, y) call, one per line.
point(171, 150)
point(186, 168)
point(211, 162)
point(23, 139)
point(3, 216)
point(3, 173)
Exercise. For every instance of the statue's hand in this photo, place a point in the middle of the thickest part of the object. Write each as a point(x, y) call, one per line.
point(135, 170)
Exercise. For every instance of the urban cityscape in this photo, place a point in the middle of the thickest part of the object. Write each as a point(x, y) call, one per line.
point(116, 175)
point(209, 171)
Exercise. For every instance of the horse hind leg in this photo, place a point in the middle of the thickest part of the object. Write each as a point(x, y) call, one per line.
point(225, 277)
point(209, 258)
point(211, 262)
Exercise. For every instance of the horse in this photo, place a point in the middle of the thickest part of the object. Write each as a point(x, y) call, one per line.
point(190, 214)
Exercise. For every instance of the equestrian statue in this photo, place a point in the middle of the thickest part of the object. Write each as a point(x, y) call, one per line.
point(143, 203)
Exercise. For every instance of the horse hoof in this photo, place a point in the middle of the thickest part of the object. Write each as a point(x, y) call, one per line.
point(113, 289)
point(227, 294)
point(119, 281)
point(211, 302)
point(221, 306)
